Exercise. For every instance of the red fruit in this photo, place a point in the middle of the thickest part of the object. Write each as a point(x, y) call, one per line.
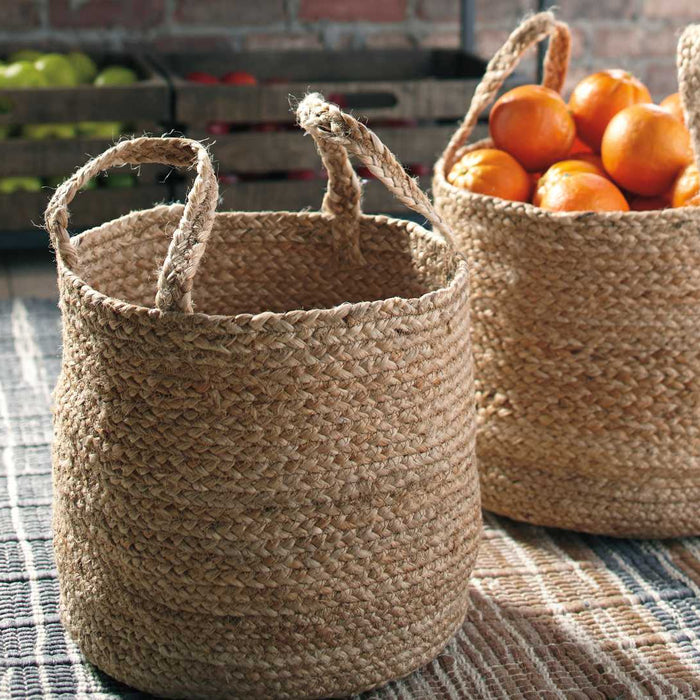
point(364, 172)
point(239, 77)
point(266, 127)
point(393, 123)
point(301, 175)
point(218, 128)
point(339, 99)
point(199, 76)
point(419, 169)
point(648, 203)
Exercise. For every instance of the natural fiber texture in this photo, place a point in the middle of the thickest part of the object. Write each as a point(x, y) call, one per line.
point(585, 332)
point(552, 615)
point(276, 495)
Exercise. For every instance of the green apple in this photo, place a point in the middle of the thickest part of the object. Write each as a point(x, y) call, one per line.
point(100, 130)
point(8, 185)
point(119, 180)
point(22, 74)
point(57, 69)
point(116, 75)
point(4, 131)
point(38, 132)
point(25, 55)
point(84, 66)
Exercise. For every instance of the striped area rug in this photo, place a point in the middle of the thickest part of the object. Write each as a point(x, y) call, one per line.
point(553, 614)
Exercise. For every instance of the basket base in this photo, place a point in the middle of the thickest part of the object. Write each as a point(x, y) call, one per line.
point(196, 681)
point(596, 506)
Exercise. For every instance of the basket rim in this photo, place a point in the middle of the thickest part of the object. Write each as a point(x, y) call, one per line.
point(389, 307)
point(515, 209)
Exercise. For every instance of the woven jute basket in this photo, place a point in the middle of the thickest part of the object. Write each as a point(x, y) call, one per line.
point(585, 333)
point(265, 483)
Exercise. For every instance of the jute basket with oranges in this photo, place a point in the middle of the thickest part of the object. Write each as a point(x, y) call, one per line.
point(584, 242)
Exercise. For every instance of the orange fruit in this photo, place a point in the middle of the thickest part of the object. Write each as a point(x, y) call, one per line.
point(583, 192)
point(686, 186)
point(647, 203)
point(599, 97)
point(492, 172)
point(564, 168)
point(672, 104)
point(644, 148)
point(592, 158)
point(532, 123)
point(694, 202)
point(578, 146)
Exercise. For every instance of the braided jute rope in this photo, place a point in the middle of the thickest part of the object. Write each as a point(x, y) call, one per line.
point(586, 330)
point(190, 238)
point(267, 489)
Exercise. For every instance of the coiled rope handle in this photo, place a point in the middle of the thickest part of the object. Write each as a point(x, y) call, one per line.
point(556, 63)
point(688, 61)
point(336, 134)
point(174, 292)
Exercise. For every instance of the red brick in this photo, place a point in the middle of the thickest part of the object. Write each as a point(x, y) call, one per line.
point(589, 9)
point(634, 41)
point(441, 40)
point(20, 14)
point(671, 8)
point(105, 14)
point(579, 40)
point(612, 42)
point(339, 40)
point(661, 79)
point(661, 41)
point(227, 13)
point(438, 10)
point(353, 10)
point(488, 41)
point(389, 40)
point(282, 41)
point(185, 44)
point(508, 12)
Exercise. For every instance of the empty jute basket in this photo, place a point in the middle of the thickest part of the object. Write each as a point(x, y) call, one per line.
point(265, 483)
point(586, 334)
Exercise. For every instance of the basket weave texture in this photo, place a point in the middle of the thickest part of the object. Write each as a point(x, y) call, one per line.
point(264, 473)
point(585, 332)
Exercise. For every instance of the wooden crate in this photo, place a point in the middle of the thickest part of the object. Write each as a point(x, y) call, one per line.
point(144, 105)
point(427, 90)
point(146, 100)
point(23, 212)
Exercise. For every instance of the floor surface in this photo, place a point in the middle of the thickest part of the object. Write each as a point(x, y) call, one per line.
point(28, 274)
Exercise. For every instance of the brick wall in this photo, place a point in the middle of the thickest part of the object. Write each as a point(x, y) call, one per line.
point(636, 34)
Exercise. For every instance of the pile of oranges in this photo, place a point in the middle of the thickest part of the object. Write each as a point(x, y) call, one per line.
point(609, 149)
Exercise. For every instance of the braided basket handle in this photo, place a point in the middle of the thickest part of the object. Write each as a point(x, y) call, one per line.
point(337, 134)
point(174, 292)
point(533, 30)
point(688, 60)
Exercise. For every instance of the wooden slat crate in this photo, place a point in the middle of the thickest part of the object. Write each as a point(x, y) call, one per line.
point(143, 105)
point(23, 212)
point(412, 98)
point(145, 100)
